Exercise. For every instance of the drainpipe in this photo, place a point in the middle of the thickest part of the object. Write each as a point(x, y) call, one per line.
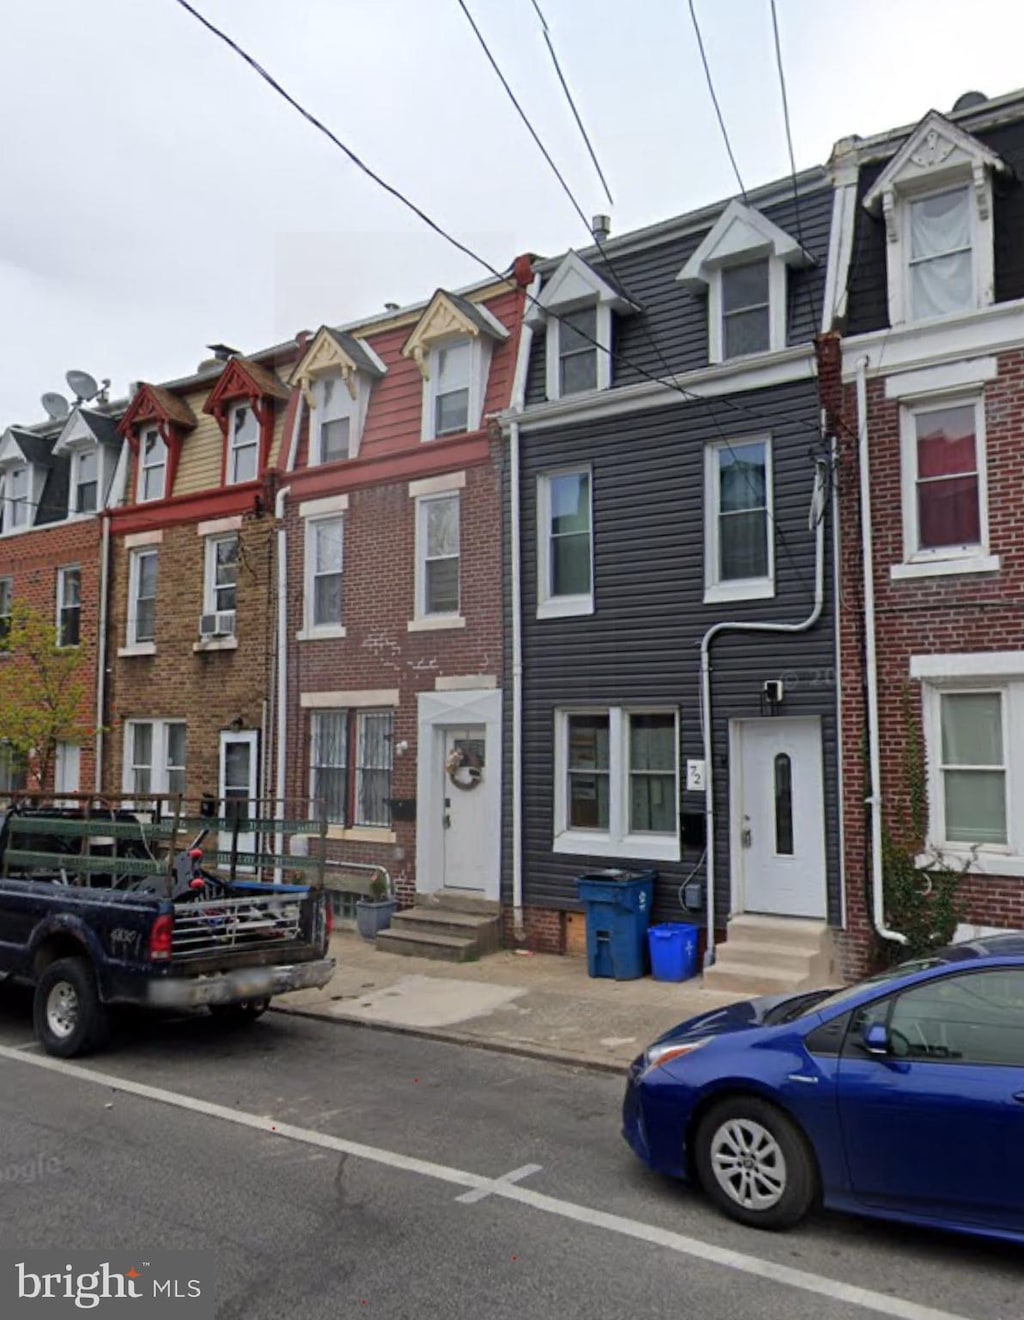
point(515, 513)
point(817, 524)
point(281, 665)
point(874, 799)
point(101, 653)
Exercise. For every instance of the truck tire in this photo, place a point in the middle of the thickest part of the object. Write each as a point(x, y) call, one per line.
point(246, 1010)
point(69, 1018)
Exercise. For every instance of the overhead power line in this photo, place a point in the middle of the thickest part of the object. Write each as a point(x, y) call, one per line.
point(714, 99)
point(572, 104)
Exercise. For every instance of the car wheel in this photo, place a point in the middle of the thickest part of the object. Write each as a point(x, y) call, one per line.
point(246, 1010)
point(69, 1018)
point(755, 1163)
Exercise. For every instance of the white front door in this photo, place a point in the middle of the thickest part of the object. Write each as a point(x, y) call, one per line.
point(465, 822)
point(66, 771)
point(239, 777)
point(778, 826)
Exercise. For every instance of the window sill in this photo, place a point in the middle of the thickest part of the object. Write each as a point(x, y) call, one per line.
point(436, 623)
point(580, 843)
point(137, 648)
point(565, 607)
point(320, 634)
point(216, 644)
point(361, 834)
point(981, 863)
point(750, 589)
point(926, 568)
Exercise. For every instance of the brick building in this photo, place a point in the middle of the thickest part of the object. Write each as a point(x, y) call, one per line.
point(929, 297)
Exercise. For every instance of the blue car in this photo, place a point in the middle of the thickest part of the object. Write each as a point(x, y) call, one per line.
point(901, 1097)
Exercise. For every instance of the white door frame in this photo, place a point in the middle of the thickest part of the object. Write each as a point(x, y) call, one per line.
point(438, 711)
point(737, 887)
point(246, 841)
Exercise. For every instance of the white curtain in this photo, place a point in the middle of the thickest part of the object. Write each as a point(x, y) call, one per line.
point(940, 254)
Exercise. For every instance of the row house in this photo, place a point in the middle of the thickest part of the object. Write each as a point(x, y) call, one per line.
point(391, 671)
point(190, 624)
point(923, 371)
point(672, 632)
point(56, 480)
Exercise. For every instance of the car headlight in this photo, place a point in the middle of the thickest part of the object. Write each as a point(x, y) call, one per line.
point(656, 1056)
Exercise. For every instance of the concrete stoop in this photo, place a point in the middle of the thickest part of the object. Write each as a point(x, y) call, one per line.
point(447, 925)
point(774, 955)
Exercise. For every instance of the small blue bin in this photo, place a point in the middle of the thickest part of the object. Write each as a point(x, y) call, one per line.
point(673, 951)
point(618, 906)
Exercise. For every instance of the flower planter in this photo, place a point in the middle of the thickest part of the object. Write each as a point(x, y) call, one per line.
point(373, 916)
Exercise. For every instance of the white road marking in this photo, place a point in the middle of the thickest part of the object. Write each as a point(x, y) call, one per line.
point(517, 1175)
point(29, 1045)
point(709, 1253)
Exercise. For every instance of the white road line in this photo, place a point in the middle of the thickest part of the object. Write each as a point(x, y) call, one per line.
point(517, 1175)
point(707, 1252)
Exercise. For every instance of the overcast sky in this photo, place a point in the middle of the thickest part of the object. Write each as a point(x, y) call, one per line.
point(156, 196)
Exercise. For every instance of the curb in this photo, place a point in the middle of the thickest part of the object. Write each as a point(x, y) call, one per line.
point(568, 1058)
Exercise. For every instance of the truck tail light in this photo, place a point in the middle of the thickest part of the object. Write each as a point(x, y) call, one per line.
point(160, 938)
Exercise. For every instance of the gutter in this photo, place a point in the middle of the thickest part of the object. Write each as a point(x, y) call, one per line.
point(874, 799)
point(817, 524)
point(279, 689)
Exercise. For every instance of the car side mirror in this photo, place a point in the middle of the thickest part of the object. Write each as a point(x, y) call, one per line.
point(876, 1040)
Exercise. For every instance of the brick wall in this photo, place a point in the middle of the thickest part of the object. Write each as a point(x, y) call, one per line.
point(968, 613)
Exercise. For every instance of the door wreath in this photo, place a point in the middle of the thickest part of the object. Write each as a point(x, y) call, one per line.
point(464, 767)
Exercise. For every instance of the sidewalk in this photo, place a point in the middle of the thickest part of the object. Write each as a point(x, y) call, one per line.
point(533, 1004)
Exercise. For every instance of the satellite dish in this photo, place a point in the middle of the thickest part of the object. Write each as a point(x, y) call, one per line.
point(82, 385)
point(57, 407)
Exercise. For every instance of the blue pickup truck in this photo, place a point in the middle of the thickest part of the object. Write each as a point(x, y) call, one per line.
point(93, 914)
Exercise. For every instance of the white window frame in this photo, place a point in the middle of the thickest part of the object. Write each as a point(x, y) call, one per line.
point(422, 613)
point(479, 365)
point(160, 769)
point(311, 629)
point(144, 467)
point(550, 606)
point(982, 247)
point(907, 204)
point(62, 584)
point(26, 502)
point(941, 560)
point(343, 407)
point(617, 841)
point(134, 575)
point(553, 369)
point(777, 289)
point(759, 588)
point(78, 457)
point(234, 449)
point(210, 605)
point(66, 756)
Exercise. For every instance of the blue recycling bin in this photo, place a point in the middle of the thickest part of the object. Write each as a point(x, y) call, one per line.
point(673, 947)
point(618, 907)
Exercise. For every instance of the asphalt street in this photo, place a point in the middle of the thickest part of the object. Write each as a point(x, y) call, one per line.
point(375, 1194)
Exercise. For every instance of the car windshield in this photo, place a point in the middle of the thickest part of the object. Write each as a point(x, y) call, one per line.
point(881, 979)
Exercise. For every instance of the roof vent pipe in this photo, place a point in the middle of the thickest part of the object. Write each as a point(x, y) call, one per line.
point(601, 227)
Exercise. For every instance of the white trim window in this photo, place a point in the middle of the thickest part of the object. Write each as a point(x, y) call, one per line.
point(617, 783)
point(438, 564)
point(324, 563)
point(739, 554)
point(142, 586)
point(154, 757)
point(565, 544)
point(6, 604)
point(746, 309)
point(85, 481)
point(972, 768)
point(69, 606)
point(945, 488)
point(940, 254)
point(578, 350)
point(220, 577)
point(18, 498)
point(333, 421)
point(152, 484)
point(243, 444)
point(351, 766)
point(451, 379)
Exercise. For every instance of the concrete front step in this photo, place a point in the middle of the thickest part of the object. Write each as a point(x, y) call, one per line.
point(789, 931)
point(460, 900)
point(423, 944)
point(485, 931)
point(751, 978)
point(773, 955)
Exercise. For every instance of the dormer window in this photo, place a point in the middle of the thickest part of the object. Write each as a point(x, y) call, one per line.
point(332, 420)
point(336, 375)
point(742, 265)
point(577, 351)
point(935, 199)
point(17, 512)
point(244, 432)
point(452, 346)
point(152, 465)
point(84, 481)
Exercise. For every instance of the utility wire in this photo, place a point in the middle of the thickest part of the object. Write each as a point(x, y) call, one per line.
point(714, 99)
point(572, 104)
